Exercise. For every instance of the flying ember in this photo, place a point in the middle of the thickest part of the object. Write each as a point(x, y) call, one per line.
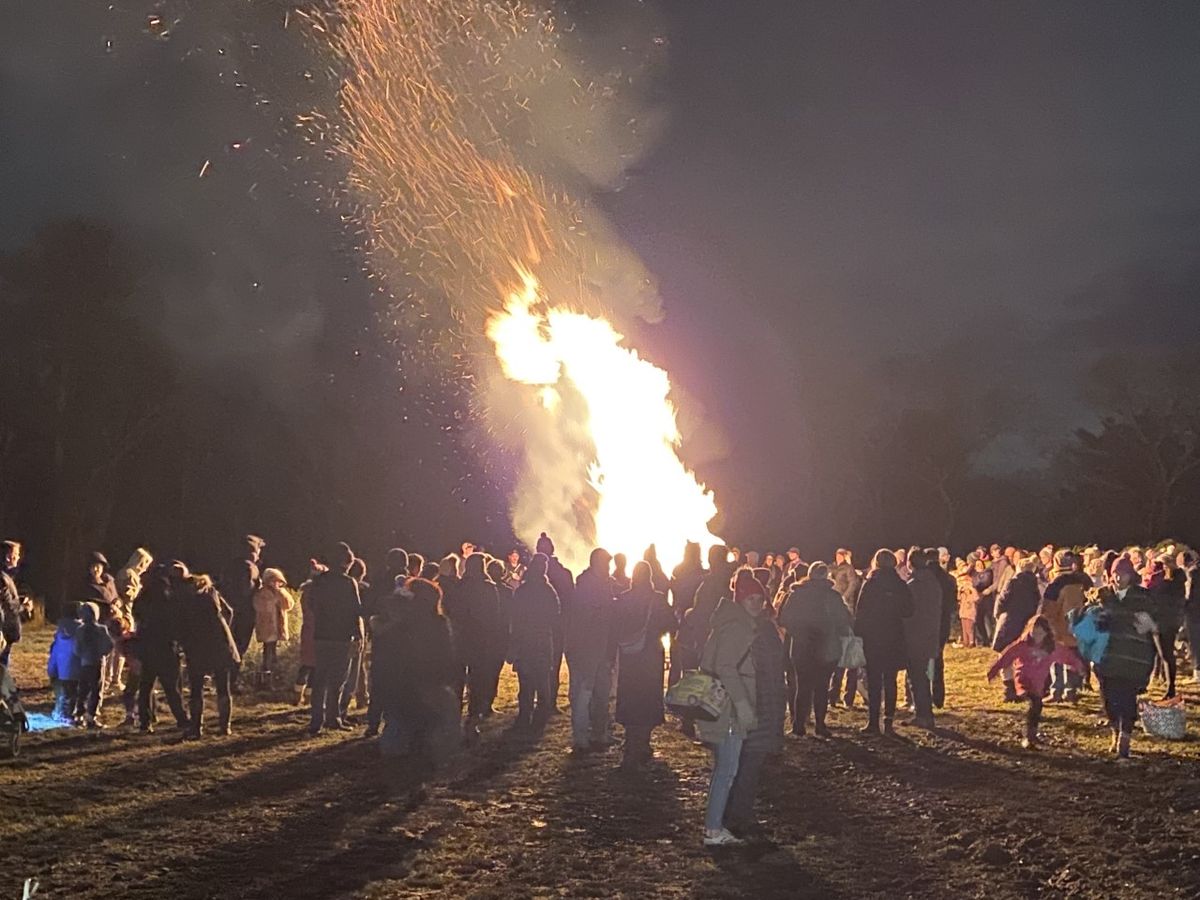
point(444, 135)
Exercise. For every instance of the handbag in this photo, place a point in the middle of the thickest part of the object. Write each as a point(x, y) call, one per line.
point(635, 646)
point(853, 656)
point(1165, 719)
point(699, 695)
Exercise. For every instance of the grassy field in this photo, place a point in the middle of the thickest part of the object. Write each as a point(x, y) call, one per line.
point(959, 813)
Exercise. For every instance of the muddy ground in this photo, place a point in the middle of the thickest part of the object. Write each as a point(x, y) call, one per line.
point(271, 813)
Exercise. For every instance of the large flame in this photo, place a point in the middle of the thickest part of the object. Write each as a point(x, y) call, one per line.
point(644, 493)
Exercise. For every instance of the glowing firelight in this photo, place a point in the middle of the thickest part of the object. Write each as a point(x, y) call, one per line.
point(447, 113)
point(645, 494)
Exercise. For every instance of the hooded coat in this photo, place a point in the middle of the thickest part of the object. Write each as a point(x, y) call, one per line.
point(847, 582)
point(727, 657)
point(204, 628)
point(158, 624)
point(1066, 593)
point(92, 641)
point(697, 621)
point(816, 619)
point(883, 604)
point(63, 664)
point(1017, 605)
point(923, 628)
point(271, 608)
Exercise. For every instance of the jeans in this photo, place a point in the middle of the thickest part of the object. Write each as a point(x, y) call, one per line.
point(939, 678)
point(881, 689)
point(739, 809)
point(328, 677)
point(65, 693)
point(590, 687)
point(726, 759)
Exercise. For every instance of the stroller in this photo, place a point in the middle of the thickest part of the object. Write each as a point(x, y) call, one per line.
point(13, 722)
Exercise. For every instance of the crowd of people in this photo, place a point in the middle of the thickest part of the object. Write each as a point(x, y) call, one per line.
point(420, 649)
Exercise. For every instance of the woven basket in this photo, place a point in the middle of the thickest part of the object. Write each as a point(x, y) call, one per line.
point(1166, 719)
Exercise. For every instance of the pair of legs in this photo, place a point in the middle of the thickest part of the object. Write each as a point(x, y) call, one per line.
point(968, 631)
point(590, 687)
point(881, 693)
point(65, 692)
point(349, 690)
point(87, 702)
point(1120, 702)
point(739, 809)
point(812, 693)
point(1167, 638)
point(726, 762)
point(270, 656)
point(328, 678)
point(222, 681)
point(835, 686)
point(1066, 682)
point(166, 672)
point(483, 675)
point(922, 691)
point(535, 701)
point(637, 745)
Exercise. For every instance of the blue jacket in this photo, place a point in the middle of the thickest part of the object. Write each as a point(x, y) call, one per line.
point(63, 664)
point(1091, 632)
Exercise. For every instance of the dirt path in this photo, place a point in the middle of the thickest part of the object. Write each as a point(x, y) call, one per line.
point(270, 813)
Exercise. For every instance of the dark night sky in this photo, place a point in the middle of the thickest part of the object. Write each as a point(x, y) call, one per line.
point(997, 190)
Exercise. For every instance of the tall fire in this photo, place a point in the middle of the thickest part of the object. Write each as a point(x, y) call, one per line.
point(441, 125)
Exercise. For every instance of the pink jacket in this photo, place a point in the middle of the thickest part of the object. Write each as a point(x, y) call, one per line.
point(1031, 666)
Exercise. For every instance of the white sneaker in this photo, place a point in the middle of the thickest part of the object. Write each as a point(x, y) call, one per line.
point(722, 838)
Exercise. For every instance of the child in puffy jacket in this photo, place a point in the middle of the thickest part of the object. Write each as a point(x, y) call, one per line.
point(92, 644)
point(1031, 657)
point(62, 664)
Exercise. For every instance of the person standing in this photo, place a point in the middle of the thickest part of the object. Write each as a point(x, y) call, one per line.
point(685, 579)
point(938, 559)
point(273, 603)
point(563, 583)
point(10, 600)
point(728, 657)
point(765, 738)
point(1124, 671)
point(922, 635)
point(209, 648)
point(92, 644)
point(158, 636)
point(883, 604)
point(589, 652)
point(1016, 606)
point(1065, 593)
point(475, 618)
point(238, 583)
point(534, 622)
point(99, 587)
point(816, 620)
point(337, 630)
point(847, 581)
point(1168, 587)
point(641, 618)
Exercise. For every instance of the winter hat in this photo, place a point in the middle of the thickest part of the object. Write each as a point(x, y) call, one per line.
point(545, 545)
point(1064, 559)
point(1124, 567)
point(745, 586)
point(98, 558)
point(818, 571)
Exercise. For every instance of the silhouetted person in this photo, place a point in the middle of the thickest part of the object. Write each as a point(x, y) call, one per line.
point(337, 630)
point(534, 622)
point(209, 647)
point(564, 585)
point(883, 604)
point(589, 652)
point(158, 636)
point(641, 619)
point(239, 582)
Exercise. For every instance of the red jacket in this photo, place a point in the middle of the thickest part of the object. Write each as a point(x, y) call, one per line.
point(1031, 666)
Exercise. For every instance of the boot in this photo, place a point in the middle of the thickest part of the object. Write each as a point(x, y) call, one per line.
point(887, 726)
point(224, 714)
point(1123, 746)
